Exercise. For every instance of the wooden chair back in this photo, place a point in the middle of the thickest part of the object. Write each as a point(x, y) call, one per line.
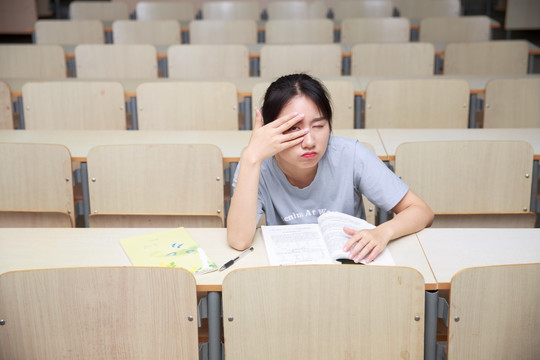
point(32, 61)
point(155, 32)
point(396, 59)
point(133, 61)
point(69, 32)
point(474, 178)
point(163, 182)
point(375, 30)
point(299, 31)
point(316, 59)
point(455, 29)
point(416, 10)
point(17, 17)
point(295, 9)
point(98, 10)
point(316, 301)
point(522, 15)
point(502, 57)
point(223, 32)
point(344, 9)
point(417, 103)
point(177, 10)
point(6, 110)
point(36, 187)
point(104, 312)
point(185, 105)
point(208, 61)
point(74, 105)
point(512, 103)
point(493, 313)
point(231, 10)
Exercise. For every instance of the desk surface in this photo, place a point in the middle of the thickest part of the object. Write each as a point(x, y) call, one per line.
point(23, 249)
point(451, 250)
point(231, 142)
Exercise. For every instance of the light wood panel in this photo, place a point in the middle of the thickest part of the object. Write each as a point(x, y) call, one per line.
point(155, 32)
point(291, 312)
point(522, 15)
point(17, 17)
point(98, 10)
point(32, 61)
point(299, 31)
point(362, 9)
point(287, 10)
point(6, 111)
point(105, 312)
point(231, 10)
point(417, 103)
point(74, 105)
point(455, 29)
point(415, 10)
point(69, 32)
point(223, 32)
point(493, 313)
point(378, 30)
point(178, 10)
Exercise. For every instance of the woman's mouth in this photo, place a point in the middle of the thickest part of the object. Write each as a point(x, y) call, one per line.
point(309, 155)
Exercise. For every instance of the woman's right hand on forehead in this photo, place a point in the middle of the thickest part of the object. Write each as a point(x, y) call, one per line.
point(268, 140)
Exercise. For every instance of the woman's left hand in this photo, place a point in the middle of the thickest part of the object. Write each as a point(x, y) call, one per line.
point(365, 244)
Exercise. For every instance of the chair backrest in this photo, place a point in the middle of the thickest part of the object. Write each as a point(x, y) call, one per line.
point(493, 313)
point(134, 61)
point(316, 59)
point(104, 312)
point(299, 31)
point(32, 61)
point(396, 59)
point(74, 105)
point(294, 9)
point(470, 177)
point(375, 30)
point(341, 92)
point(344, 9)
point(416, 10)
point(36, 188)
point(223, 32)
point(179, 182)
point(512, 103)
point(185, 105)
point(69, 32)
point(455, 29)
point(17, 17)
point(98, 10)
point(231, 10)
point(179, 10)
point(208, 61)
point(317, 301)
point(417, 103)
point(502, 57)
point(155, 32)
point(6, 111)
point(522, 15)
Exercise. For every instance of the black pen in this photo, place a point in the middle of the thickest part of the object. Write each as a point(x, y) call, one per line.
point(230, 262)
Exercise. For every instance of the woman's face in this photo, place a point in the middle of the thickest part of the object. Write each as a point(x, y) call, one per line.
point(308, 153)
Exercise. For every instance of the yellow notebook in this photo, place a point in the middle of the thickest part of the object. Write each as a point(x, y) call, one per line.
point(168, 248)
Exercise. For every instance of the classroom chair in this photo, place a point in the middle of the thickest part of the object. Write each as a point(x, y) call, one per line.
point(156, 185)
point(32, 61)
point(231, 10)
point(36, 187)
point(317, 10)
point(178, 10)
point(344, 9)
point(106, 11)
point(299, 31)
point(223, 32)
point(118, 61)
point(471, 183)
point(375, 30)
point(493, 313)
point(69, 32)
point(455, 29)
point(511, 103)
point(416, 10)
point(17, 17)
point(99, 312)
point(6, 108)
point(499, 57)
point(294, 9)
point(208, 61)
point(417, 103)
point(522, 15)
point(154, 32)
point(74, 105)
point(324, 312)
point(395, 59)
point(316, 59)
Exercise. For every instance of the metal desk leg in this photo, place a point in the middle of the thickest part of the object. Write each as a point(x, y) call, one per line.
point(247, 113)
point(535, 204)
point(20, 107)
point(134, 118)
point(85, 192)
point(358, 109)
point(430, 326)
point(346, 65)
point(214, 325)
point(473, 106)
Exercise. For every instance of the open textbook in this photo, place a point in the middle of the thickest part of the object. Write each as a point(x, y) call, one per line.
point(320, 243)
point(168, 248)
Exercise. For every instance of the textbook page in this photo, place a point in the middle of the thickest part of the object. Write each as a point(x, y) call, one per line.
point(295, 245)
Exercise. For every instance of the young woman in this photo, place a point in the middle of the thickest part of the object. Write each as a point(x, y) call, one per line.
point(293, 170)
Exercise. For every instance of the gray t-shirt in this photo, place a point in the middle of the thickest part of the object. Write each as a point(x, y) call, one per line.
point(347, 170)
